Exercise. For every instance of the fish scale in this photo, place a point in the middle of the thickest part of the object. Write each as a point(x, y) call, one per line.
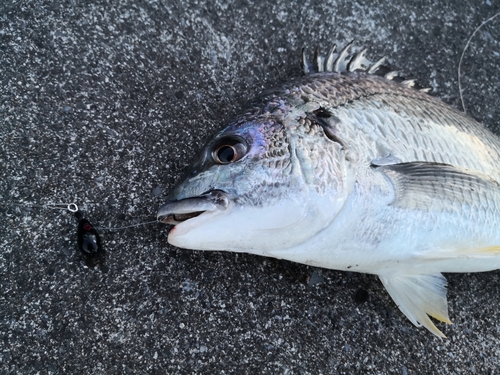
point(350, 167)
point(482, 155)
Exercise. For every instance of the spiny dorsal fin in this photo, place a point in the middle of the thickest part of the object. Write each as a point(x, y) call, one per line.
point(340, 63)
point(347, 61)
point(304, 63)
point(374, 67)
point(359, 61)
point(330, 59)
point(391, 75)
point(409, 82)
point(318, 60)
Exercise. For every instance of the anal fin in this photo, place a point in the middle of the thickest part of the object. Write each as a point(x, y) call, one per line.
point(419, 296)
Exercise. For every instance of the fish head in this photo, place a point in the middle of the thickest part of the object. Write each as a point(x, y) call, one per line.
point(262, 183)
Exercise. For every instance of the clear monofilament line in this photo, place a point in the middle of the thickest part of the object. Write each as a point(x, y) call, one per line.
point(460, 90)
point(128, 226)
point(72, 207)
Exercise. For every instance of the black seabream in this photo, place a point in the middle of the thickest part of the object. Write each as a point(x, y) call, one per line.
point(351, 168)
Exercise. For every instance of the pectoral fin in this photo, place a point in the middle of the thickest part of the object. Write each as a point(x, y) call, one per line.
point(418, 296)
point(420, 185)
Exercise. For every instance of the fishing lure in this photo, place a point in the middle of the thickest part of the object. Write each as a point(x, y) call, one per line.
point(88, 239)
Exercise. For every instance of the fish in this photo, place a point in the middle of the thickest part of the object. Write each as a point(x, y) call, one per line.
point(354, 168)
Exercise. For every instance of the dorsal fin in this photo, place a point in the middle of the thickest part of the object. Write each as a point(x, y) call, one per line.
point(340, 63)
point(359, 61)
point(347, 61)
point(330, 59)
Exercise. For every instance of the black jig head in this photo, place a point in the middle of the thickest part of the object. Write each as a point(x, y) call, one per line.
point(88, 240)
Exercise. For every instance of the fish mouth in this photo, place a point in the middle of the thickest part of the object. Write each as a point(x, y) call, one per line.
point(178, 211)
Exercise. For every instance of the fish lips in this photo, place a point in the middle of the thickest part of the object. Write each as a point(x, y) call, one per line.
point(177, 211)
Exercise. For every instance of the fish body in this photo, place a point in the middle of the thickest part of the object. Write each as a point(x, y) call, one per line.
point(348, 168)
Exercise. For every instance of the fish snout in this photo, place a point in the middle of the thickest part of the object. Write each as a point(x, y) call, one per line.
point(177, 211)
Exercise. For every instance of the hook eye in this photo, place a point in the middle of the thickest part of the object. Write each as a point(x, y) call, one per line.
point(72, 207)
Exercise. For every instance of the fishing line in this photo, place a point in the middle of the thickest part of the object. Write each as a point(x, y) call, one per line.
point(128, 226)
point(462, 57)
point(88, 238)
point(72, 207)
point(53, 206)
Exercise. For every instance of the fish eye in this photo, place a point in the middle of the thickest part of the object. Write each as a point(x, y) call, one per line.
point(226, 154)
point(229, 150)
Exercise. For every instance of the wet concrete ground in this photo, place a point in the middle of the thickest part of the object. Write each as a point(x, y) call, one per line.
point(105, 104)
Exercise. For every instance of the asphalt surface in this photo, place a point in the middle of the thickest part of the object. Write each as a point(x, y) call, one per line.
point(105, 104)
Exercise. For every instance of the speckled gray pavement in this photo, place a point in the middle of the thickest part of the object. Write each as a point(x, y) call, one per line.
point(105, 104)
